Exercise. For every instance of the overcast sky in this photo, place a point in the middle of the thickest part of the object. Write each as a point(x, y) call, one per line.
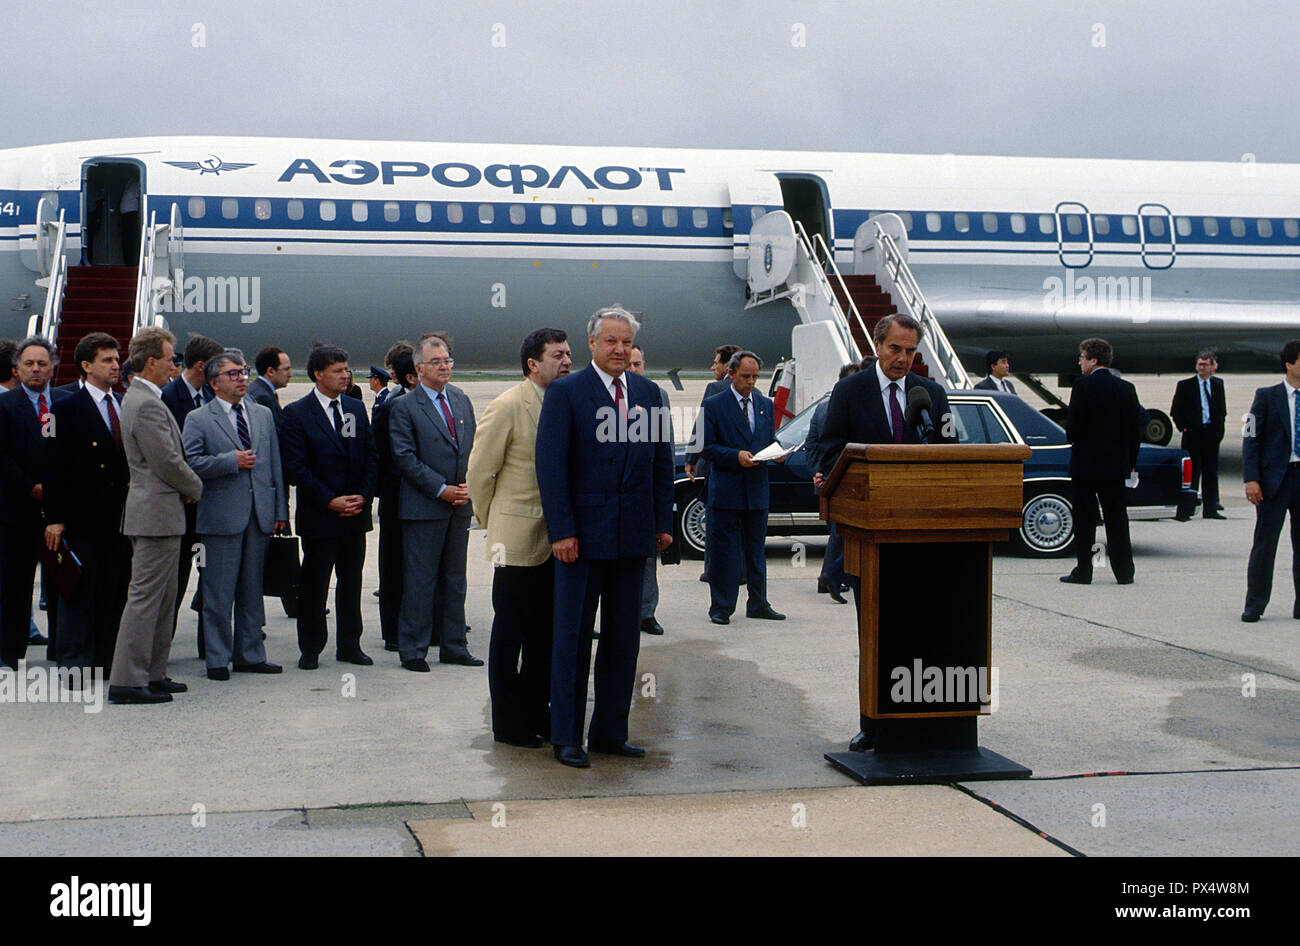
point(1170, 80)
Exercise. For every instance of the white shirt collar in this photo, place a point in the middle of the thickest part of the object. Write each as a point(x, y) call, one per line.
point(885, 382)
point(194, 392)
point(325, 401)
point(608, 380)
point(739, 397)
point(149, 385)
point(1290, 391)
point(96, 393)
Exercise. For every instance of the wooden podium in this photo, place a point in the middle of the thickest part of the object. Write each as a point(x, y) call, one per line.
point(919, 523)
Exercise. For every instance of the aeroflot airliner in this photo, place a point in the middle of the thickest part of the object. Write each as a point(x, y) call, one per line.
point(287, 241)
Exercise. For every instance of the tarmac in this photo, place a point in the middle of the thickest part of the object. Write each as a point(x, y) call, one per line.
point(1155, 722)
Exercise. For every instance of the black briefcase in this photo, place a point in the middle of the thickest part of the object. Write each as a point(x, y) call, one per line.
point(63, 566)
point(283, 572)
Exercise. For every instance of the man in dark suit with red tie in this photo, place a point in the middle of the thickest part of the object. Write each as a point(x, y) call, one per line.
point(870, 407)
point(738, 423)
point(26, 423)
point(84, 498)
point(1200, 411)
point(605, 474)
point(1104, 426)
point(329, 454)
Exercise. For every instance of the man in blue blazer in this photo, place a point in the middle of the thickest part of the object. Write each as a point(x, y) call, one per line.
point(738, 423)
point(1270, 454)
point(329, 454)
point(605, 473)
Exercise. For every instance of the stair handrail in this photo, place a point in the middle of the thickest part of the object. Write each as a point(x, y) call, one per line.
point(911, 300)
point(827, 293)
point(48, 326)
point(827, 260)
point(144, 279)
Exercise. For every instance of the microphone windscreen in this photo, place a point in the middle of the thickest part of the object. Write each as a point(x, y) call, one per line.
point(918, 399)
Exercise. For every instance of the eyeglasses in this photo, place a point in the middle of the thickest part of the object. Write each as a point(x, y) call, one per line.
point(439, 362)
point(234, 374)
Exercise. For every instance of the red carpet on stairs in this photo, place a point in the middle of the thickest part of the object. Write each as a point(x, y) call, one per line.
point(873, 305)
point(96, 299)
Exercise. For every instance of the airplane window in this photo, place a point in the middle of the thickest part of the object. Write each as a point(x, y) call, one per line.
point(932, 222)
point(1291, 228)
point(198, 207)
point(579, 216)
point(726, 218)
point(990, 223)
point(262, 209)
point(640, 217)
point(360, 211)
point(1046, 223)
point(517, 214)
point(1238, 226)
point(961, 222)
point(670, 217)
point(1129, 224)
point(1211, 225)
point(700, 217)
point(486, 213)
point(1100, 224)
point(609, 216)
point(327, 210)
point(455, 213)
point(230, 208)
point(423, 211)
point(1265, 228)
point(392, 211)
point(1073, 224)
point(906, 217)
point(294, 207)
point(1183, 225)
point(548, 216)
point(1155, 226)
point(1017, 223)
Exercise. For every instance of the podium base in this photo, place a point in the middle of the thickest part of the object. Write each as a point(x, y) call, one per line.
point(926, 766)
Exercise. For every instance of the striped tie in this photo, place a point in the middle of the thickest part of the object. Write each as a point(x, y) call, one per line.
point(242, 426)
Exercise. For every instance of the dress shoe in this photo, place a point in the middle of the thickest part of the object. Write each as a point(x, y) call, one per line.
point(1295, 611)
point(1074, 578)
point(523, 742)
point(136, 695)
point(263, 667)
point(1182, 518)
point(838, 597)
point(462, 660)
point(36, 639)
point(862, 742)
point(218, 673)
point(1250, 617)
point(167, 685)
point(572, 755)
point(1215, 515)
point(719, 619)
point(307, 663)
point(355, 657)
point(627, 750)
point(391, 647)
point(823, 586)
point(1124, 581)
point(418, 665)
point(651, 626)
point(704, 578)
point(1218, 507)
point(766, 613)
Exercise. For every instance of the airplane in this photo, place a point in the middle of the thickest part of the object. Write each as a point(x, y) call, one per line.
point(288, 241)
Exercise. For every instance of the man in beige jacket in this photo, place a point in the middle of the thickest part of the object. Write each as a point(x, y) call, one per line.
point(502, 482)
point(154, 518)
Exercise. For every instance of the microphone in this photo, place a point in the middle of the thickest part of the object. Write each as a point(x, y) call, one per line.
point(917, 414)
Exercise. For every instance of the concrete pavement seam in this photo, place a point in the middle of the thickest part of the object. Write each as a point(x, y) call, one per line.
point(1245, 768)
point(1074, 852)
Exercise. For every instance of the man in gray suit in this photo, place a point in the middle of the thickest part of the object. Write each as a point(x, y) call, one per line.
point(154, 518)
point(431, 431)
point(232, 445)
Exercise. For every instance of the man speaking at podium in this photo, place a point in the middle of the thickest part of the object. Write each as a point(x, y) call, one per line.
point(877, 406)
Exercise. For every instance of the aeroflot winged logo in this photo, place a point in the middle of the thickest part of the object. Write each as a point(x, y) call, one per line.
point(209, 165)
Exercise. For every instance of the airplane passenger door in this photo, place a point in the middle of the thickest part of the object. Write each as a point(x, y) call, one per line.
point(752, 195)
point(1073, 234)
point(1156, 229)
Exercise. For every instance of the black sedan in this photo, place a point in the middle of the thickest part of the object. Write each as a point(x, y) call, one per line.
point(1047, 518)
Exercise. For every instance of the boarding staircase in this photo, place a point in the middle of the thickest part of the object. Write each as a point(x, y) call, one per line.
point(838, 312)
point(118, 300)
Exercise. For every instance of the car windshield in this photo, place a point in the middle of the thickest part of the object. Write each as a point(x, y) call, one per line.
point(795, 431)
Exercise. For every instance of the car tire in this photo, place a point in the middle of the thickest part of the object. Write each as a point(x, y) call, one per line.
point(1159, 429)
point(691, 513)
point(1046, 524)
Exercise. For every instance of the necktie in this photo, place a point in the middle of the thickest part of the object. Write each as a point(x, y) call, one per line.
point(42, 412)
point(242, 427)
point(198, 400)
point(113, 423)
point(1005, 386)
point(446, 415)
point(1205, 404)
point(749, 418)
point(1295, 427)
point(895, 412)
point(338, 418)
point(619, 402)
